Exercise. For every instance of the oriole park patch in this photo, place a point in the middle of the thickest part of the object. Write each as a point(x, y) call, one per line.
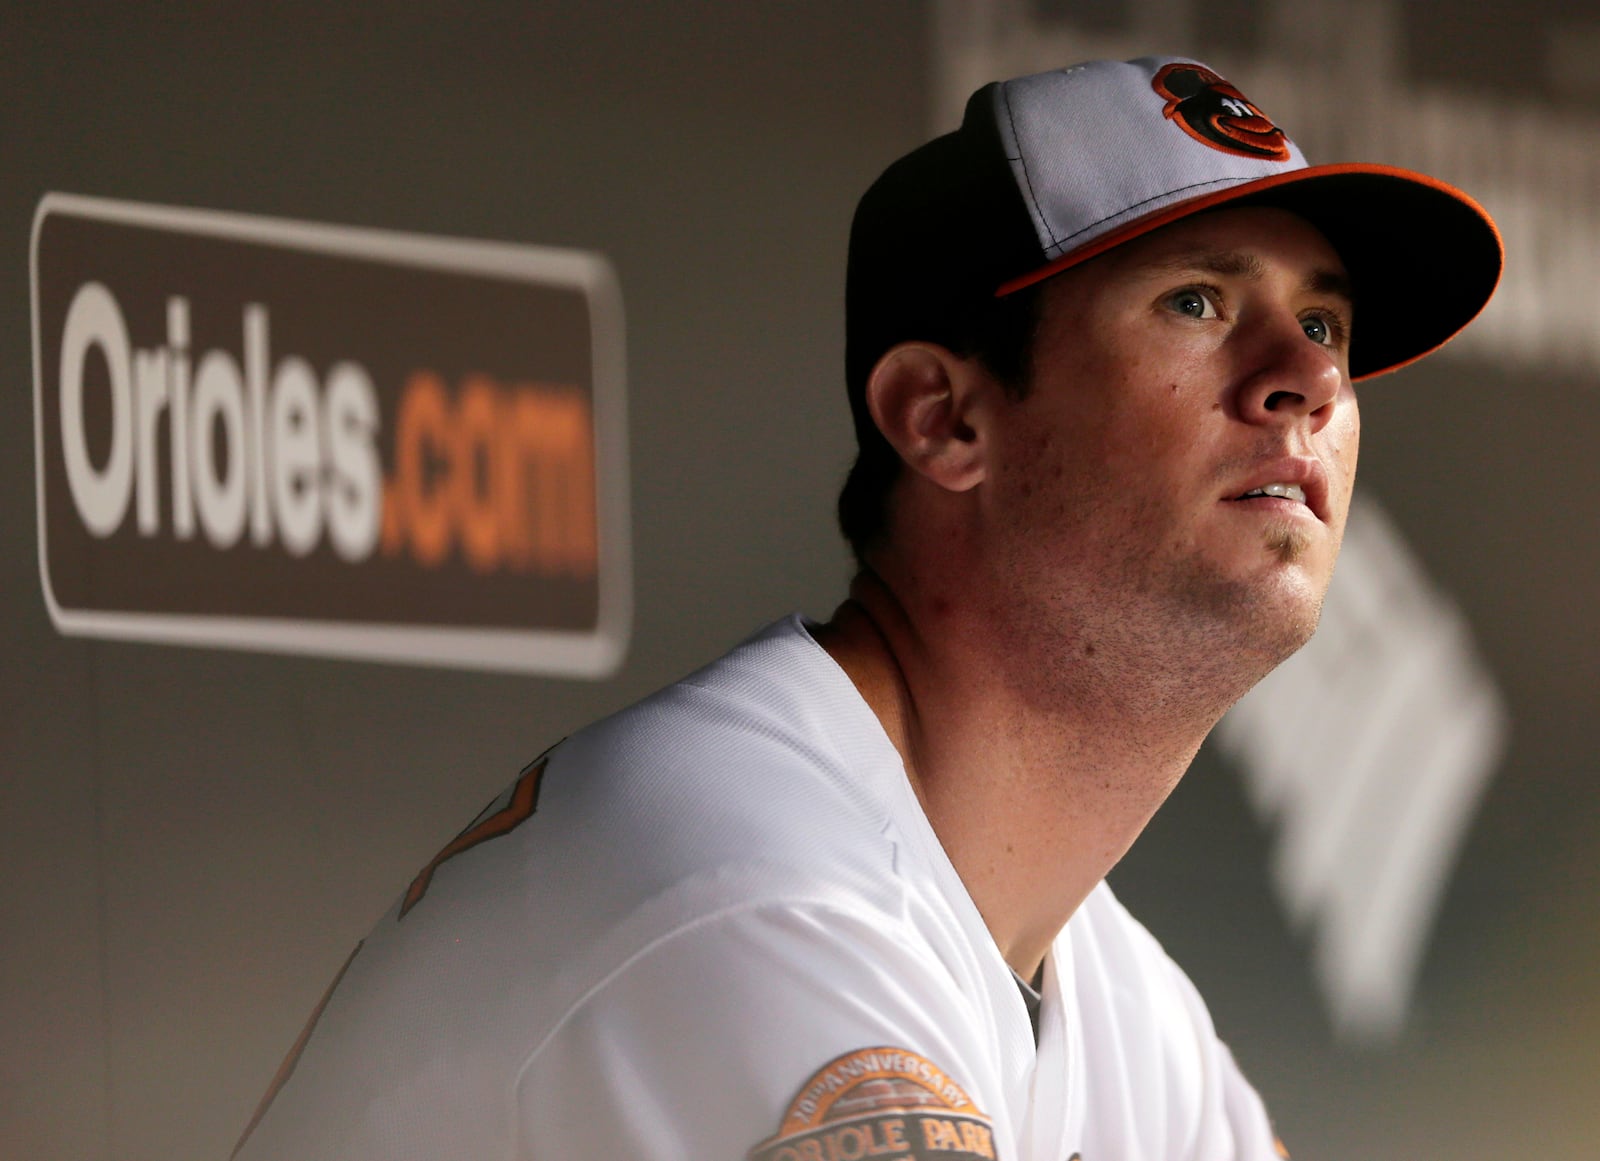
point(880, 1104)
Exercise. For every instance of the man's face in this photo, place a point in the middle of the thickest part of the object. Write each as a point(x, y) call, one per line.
point(1179, 473)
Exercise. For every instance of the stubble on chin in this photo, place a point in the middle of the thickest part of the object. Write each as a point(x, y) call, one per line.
point(1246, 627)
point(1287, 541)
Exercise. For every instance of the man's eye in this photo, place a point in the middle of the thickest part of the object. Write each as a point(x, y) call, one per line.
point(1192, 303)
point(1318, 330)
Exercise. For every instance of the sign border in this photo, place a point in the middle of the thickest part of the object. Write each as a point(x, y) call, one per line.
point(596, 654)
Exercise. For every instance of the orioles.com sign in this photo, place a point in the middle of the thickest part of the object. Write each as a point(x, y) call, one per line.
point(302, 438)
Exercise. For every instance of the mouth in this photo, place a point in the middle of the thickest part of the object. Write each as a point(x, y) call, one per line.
point(1293, 486)
point(1285, 491)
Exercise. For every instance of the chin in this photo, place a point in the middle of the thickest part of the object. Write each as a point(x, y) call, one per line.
point(1263, 618)
point(1287, 618)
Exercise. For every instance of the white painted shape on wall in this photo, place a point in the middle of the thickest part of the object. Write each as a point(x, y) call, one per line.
point(1369, 751)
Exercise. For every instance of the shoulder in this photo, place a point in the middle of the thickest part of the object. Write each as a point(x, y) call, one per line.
point(726, 834)
point(1132, 993)
point(766, 754)
point(756, 779)
point(1107, 939)
point(1153, 1056)
point(756, 1025)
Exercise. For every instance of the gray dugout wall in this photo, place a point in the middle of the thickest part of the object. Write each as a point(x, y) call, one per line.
point(191, 840)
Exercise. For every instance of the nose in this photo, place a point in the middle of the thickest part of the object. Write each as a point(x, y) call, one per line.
point(1293, 378)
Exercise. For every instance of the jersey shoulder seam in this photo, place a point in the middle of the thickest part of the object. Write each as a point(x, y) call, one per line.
point(809, 903)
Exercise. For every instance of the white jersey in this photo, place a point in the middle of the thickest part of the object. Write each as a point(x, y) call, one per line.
point(718, 925)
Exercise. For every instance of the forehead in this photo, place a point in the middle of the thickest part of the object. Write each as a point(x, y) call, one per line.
point(1257, 242)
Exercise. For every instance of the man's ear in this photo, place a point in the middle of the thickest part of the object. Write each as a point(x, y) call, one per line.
point(925, 400)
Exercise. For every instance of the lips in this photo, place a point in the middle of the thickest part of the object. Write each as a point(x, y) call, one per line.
point(1293, 479)
point(1283, 491)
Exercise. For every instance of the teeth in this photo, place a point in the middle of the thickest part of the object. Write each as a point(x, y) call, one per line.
point(1286, 491)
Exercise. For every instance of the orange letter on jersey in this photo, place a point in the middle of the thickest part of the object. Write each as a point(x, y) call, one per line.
point(524, 801)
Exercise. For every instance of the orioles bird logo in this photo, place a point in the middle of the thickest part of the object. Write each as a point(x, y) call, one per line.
point(1214, 113)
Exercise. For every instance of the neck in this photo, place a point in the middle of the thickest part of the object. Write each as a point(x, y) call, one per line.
point(1035, 789)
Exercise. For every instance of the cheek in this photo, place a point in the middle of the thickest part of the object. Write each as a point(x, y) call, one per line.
point(1041, 474)
point(1028, 456)
point(1343, 438)
point(1159, 431)
point(1341, 446)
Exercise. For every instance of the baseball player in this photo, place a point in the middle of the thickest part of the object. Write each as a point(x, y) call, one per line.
point(840, 894)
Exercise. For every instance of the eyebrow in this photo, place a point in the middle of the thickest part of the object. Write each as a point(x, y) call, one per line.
point(1242, 264)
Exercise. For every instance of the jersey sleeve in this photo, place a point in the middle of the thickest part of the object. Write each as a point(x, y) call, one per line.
point(773, 1032)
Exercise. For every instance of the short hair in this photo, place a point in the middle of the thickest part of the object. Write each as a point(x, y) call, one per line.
point(999, 333)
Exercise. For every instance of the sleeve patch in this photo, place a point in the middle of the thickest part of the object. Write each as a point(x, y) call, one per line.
point(881, 1103)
